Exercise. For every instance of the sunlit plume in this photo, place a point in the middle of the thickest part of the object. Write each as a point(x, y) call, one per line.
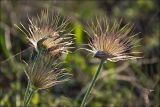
point(48, 33)
point(110, 41)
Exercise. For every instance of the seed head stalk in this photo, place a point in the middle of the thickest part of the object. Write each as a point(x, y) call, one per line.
point(83, 104)
point(28, 94)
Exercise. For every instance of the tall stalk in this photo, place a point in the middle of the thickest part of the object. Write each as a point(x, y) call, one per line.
point(83, 104)
point(28, 94)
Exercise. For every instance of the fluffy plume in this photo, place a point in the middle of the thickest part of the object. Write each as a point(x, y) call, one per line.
point(110, 42)
point(48, 33)
point(45, 71)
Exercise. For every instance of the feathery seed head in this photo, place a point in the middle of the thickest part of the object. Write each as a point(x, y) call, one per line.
point(110, 42)
point(45, 32)
point(45, 72)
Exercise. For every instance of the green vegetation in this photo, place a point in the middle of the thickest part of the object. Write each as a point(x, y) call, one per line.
point(133, 83)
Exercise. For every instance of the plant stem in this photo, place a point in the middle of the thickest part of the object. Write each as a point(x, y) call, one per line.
point(92, 84)
point(28, 95)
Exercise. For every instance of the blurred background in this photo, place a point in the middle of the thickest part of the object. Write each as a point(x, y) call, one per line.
point(122, 84)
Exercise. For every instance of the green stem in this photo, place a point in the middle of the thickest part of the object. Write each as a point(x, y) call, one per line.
point(28, 94)
point(92, 84)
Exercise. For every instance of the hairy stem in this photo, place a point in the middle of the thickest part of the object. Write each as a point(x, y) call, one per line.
point(83, 104)
point(28, 94)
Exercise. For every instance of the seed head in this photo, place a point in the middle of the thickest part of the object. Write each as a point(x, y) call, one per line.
point(110, 42)
point(47, 33)
point(44, 72)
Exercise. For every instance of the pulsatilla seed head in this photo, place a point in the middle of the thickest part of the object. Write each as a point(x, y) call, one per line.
point(45, 71)
point(45, 32)
point(110, 41)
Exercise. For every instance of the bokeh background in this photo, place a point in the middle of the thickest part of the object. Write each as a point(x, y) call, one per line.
point(122, 84)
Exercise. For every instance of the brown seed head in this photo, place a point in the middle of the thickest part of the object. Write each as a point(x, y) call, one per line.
point(110, 42)
point(45, 72)
point(45, 32)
